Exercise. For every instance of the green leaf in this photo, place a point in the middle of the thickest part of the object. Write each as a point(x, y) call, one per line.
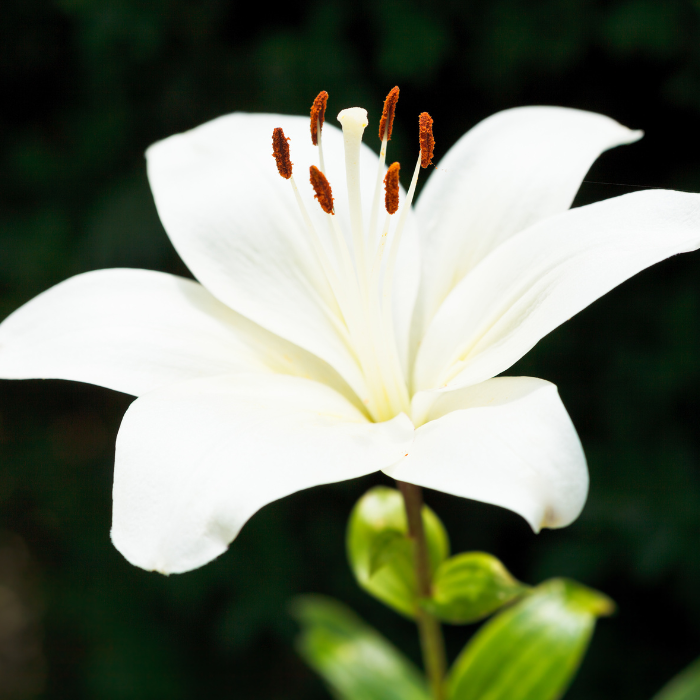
point(380, 552)
point(387, 546)
point(354, 660)
point(471, 586)
point(531, 650)
point(685, 686)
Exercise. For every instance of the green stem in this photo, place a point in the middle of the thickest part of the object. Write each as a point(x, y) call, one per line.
point(431, 640)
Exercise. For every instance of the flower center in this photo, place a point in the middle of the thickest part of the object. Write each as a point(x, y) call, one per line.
point(360, 274)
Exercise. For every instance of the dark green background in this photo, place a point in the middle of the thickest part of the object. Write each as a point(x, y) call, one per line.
point(87, 85)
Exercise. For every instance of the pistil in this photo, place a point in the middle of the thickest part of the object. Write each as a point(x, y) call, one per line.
point(354, 121)
point(392, 393)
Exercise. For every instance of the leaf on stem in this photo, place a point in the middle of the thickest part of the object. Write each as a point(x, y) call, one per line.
point(381, 553)
point(388, 545)
point(684, 686)
point(354, 660)
point(471, 586)
point(532, 650)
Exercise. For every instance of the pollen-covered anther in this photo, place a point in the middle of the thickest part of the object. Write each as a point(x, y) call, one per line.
point(318, 115)
point(322, 188)
point(425, 136)
point(280, 152)
point(386, 123)
point(391, 188)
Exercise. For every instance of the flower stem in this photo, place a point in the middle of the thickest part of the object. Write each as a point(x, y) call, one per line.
point(431, 640)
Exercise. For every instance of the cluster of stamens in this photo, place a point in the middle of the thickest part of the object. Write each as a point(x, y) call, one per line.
point(359, 278)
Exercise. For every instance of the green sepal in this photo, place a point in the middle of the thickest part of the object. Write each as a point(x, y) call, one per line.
point(684, 686)
point(531, 650)
point(354, 660)
point(380, 552)
point(471, 586)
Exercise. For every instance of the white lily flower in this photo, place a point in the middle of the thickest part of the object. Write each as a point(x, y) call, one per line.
point(320, 347)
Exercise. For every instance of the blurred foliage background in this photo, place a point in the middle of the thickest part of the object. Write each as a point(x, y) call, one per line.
point(87, 85)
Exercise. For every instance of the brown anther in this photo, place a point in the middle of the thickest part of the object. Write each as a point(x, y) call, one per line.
point(425, 136)
point(391, 188)
point(386, 123)
point(280, 152)
point(322, 188)
point(318, 115)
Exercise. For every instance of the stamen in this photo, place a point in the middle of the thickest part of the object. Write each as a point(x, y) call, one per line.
point(427, 142)
point(322, 188)
point(386, 123)
point(327, 283)
point(334, 310)
point(391, 188)
point(318, 115)
point(280, 152)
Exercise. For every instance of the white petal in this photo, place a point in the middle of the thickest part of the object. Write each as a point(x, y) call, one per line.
point(195, 460)
point(137, 330)
point(236, 224)
point(538, 279)
point(508, 172)
point(507, 441)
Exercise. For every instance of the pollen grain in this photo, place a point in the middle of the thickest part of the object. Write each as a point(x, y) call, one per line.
point(280, 152)
point(425, 136)
point(386, 123)
point(318, 115)
point(322, 188)
point(391, 188)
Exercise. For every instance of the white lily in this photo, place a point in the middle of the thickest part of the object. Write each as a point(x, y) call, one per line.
point(318, 347)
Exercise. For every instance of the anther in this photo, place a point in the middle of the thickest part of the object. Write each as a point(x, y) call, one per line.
point(322, 188)
point(391, 188)
point(386, 123)
point(318, 115)
point(427, 142)
point(280, 152)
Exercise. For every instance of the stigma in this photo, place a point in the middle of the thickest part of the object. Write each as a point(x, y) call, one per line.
point(354, 122)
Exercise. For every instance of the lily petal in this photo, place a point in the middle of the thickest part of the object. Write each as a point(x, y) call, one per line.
point(138, 330)
point(541, 277)
point(510, 171)
point(195, 460)
point(236, 224)
point(507, 441)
